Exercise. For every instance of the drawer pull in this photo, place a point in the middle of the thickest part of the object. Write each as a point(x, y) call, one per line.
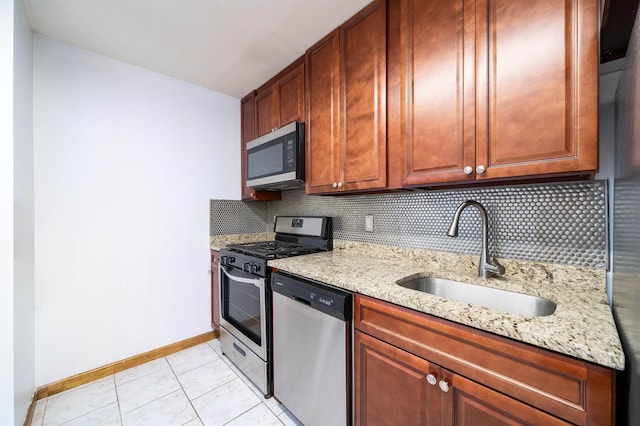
point(431, 379)
point(239, 350)
point(444, 386)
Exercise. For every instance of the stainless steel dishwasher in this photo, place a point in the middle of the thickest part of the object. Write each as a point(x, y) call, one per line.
point(312, 350)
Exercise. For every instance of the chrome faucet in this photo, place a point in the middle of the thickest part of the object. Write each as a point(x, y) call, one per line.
point(488, 266)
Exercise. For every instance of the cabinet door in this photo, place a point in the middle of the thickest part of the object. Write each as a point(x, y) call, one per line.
point(467, 403)
point(290, 95)
point(431, 45)
point(247, 133)
point(391, 386)
point(537, 82)
point(576, 391)
point(363, 44)
point(247, 115)
point(266, 113)
point(281, 100)
point(323, 129)
point(215, 290)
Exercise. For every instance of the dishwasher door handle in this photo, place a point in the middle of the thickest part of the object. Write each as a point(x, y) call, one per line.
point(301, 300)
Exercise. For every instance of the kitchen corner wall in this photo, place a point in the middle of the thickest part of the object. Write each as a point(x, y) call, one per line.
point(559, 223)
point(125, 161)
point(17, 346)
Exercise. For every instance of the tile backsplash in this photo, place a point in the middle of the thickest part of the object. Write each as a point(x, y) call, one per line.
point(559, 223)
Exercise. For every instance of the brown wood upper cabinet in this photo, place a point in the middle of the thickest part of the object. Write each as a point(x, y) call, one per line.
point(277, 103)
point(491, 89)
point(345, 86)
point(247, 133)
point(281, 100)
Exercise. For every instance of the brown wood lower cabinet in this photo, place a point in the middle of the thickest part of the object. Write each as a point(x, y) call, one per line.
point(215, 290)
point(390, 385)
point(395, 387)
point(412, 368)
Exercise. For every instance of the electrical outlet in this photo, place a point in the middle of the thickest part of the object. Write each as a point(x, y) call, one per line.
point(368, 223)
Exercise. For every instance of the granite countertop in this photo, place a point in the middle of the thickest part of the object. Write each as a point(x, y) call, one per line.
point(582, 325)
point(216, 242)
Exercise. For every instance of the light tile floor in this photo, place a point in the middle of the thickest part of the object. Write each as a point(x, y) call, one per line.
point(196, 386)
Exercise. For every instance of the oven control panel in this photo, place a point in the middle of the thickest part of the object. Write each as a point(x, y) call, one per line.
point(239, 261)
point(251, 267)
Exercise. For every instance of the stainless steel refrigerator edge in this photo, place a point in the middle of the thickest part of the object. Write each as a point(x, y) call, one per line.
point(626, 231)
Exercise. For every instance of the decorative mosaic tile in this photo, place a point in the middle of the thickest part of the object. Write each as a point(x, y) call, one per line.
point(558, 223)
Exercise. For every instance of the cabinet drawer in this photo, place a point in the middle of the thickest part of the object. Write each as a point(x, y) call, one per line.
point(574, 390)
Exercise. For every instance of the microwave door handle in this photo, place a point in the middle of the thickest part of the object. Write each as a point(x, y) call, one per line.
point(254, 281)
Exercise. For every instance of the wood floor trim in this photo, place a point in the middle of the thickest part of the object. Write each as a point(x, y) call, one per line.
point(107, 370)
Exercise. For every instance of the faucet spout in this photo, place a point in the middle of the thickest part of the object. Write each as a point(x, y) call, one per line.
point(488, 266)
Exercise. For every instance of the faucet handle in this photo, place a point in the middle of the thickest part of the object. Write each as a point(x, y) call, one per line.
point(494, 267)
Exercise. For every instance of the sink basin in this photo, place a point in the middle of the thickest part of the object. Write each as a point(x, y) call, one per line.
point(493, 298)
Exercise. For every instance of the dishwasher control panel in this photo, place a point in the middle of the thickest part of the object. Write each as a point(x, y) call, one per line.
point(330, 300)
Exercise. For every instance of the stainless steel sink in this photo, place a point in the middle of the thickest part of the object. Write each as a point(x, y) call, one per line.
point(493, 298)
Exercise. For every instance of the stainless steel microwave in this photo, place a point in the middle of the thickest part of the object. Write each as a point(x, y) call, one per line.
point(276, 160)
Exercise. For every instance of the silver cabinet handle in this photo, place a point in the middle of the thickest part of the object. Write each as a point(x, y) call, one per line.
point(480, 169)
point(467, 170)
point(339, 184)
point(444, 386)
point(431, 379)
point(335, 184)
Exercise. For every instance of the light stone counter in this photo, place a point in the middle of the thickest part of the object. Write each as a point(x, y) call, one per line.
point(216, 242)
point(582, 325)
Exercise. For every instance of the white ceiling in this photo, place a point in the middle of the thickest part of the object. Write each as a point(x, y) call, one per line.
point(230, 46)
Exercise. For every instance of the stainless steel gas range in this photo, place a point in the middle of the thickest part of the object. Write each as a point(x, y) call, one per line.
point(245, 295)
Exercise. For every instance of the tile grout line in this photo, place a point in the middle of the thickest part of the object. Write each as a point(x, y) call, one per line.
point(89, 412)
point(44, 412)
point(261, 399)
point(220, 357)
point(258, 395)
point(159, 397)
point(118, 399)
point(245, 412)
point(184, 392)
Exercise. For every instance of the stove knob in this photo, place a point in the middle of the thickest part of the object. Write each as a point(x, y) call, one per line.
point(246, 267)
point(255, 268)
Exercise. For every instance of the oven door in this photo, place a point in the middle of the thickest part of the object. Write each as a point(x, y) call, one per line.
point(243, 308)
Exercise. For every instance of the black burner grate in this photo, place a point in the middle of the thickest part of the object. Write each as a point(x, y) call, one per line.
point(273, 249)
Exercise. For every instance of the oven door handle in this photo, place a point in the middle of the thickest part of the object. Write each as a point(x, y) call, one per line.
point(255, 281)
